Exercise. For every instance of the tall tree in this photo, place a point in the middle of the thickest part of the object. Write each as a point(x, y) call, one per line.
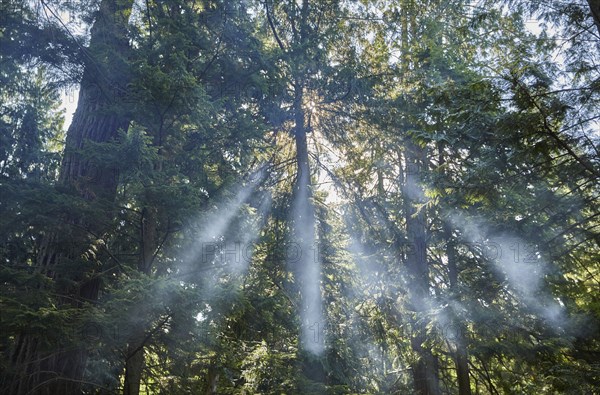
point(299, 196)
point(41, 370)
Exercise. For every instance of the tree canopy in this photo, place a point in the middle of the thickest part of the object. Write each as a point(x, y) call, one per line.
point(300, 197)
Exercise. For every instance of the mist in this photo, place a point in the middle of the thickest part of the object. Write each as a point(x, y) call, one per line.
point(305, 264)
point(520, 263)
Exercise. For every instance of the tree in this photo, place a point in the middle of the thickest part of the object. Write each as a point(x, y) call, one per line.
point(57, 371)
point(300, 197)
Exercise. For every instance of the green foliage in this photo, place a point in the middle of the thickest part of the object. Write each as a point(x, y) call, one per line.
point(458, 117)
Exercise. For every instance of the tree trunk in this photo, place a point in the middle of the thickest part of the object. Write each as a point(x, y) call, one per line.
point(134, 364)
point(212, 380)
point(43, 369)
point(595, 10)
point(425, 369)
point(456, 329)
point(307, 269)
point(301, 144)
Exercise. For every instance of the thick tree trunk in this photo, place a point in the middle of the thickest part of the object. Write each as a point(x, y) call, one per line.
point(134, 366)
point(425, 369)
point(43, 369)
point(595, 10)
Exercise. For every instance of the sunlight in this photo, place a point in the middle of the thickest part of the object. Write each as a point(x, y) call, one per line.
point(519, 262)
point(210, 230)
point(307, 267)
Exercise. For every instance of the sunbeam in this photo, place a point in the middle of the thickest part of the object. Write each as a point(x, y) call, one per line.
point(517, 261)
point(307, 267)
point(235, 254)
point(211, 229)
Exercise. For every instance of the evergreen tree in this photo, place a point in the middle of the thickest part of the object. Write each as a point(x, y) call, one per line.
point(336, 197)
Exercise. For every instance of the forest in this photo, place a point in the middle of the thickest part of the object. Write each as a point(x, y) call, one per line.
point(299, 197)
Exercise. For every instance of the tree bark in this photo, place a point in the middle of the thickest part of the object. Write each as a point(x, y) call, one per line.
point(134, 366)
point(39, 368)
point(212, 379)
point(425, 369)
